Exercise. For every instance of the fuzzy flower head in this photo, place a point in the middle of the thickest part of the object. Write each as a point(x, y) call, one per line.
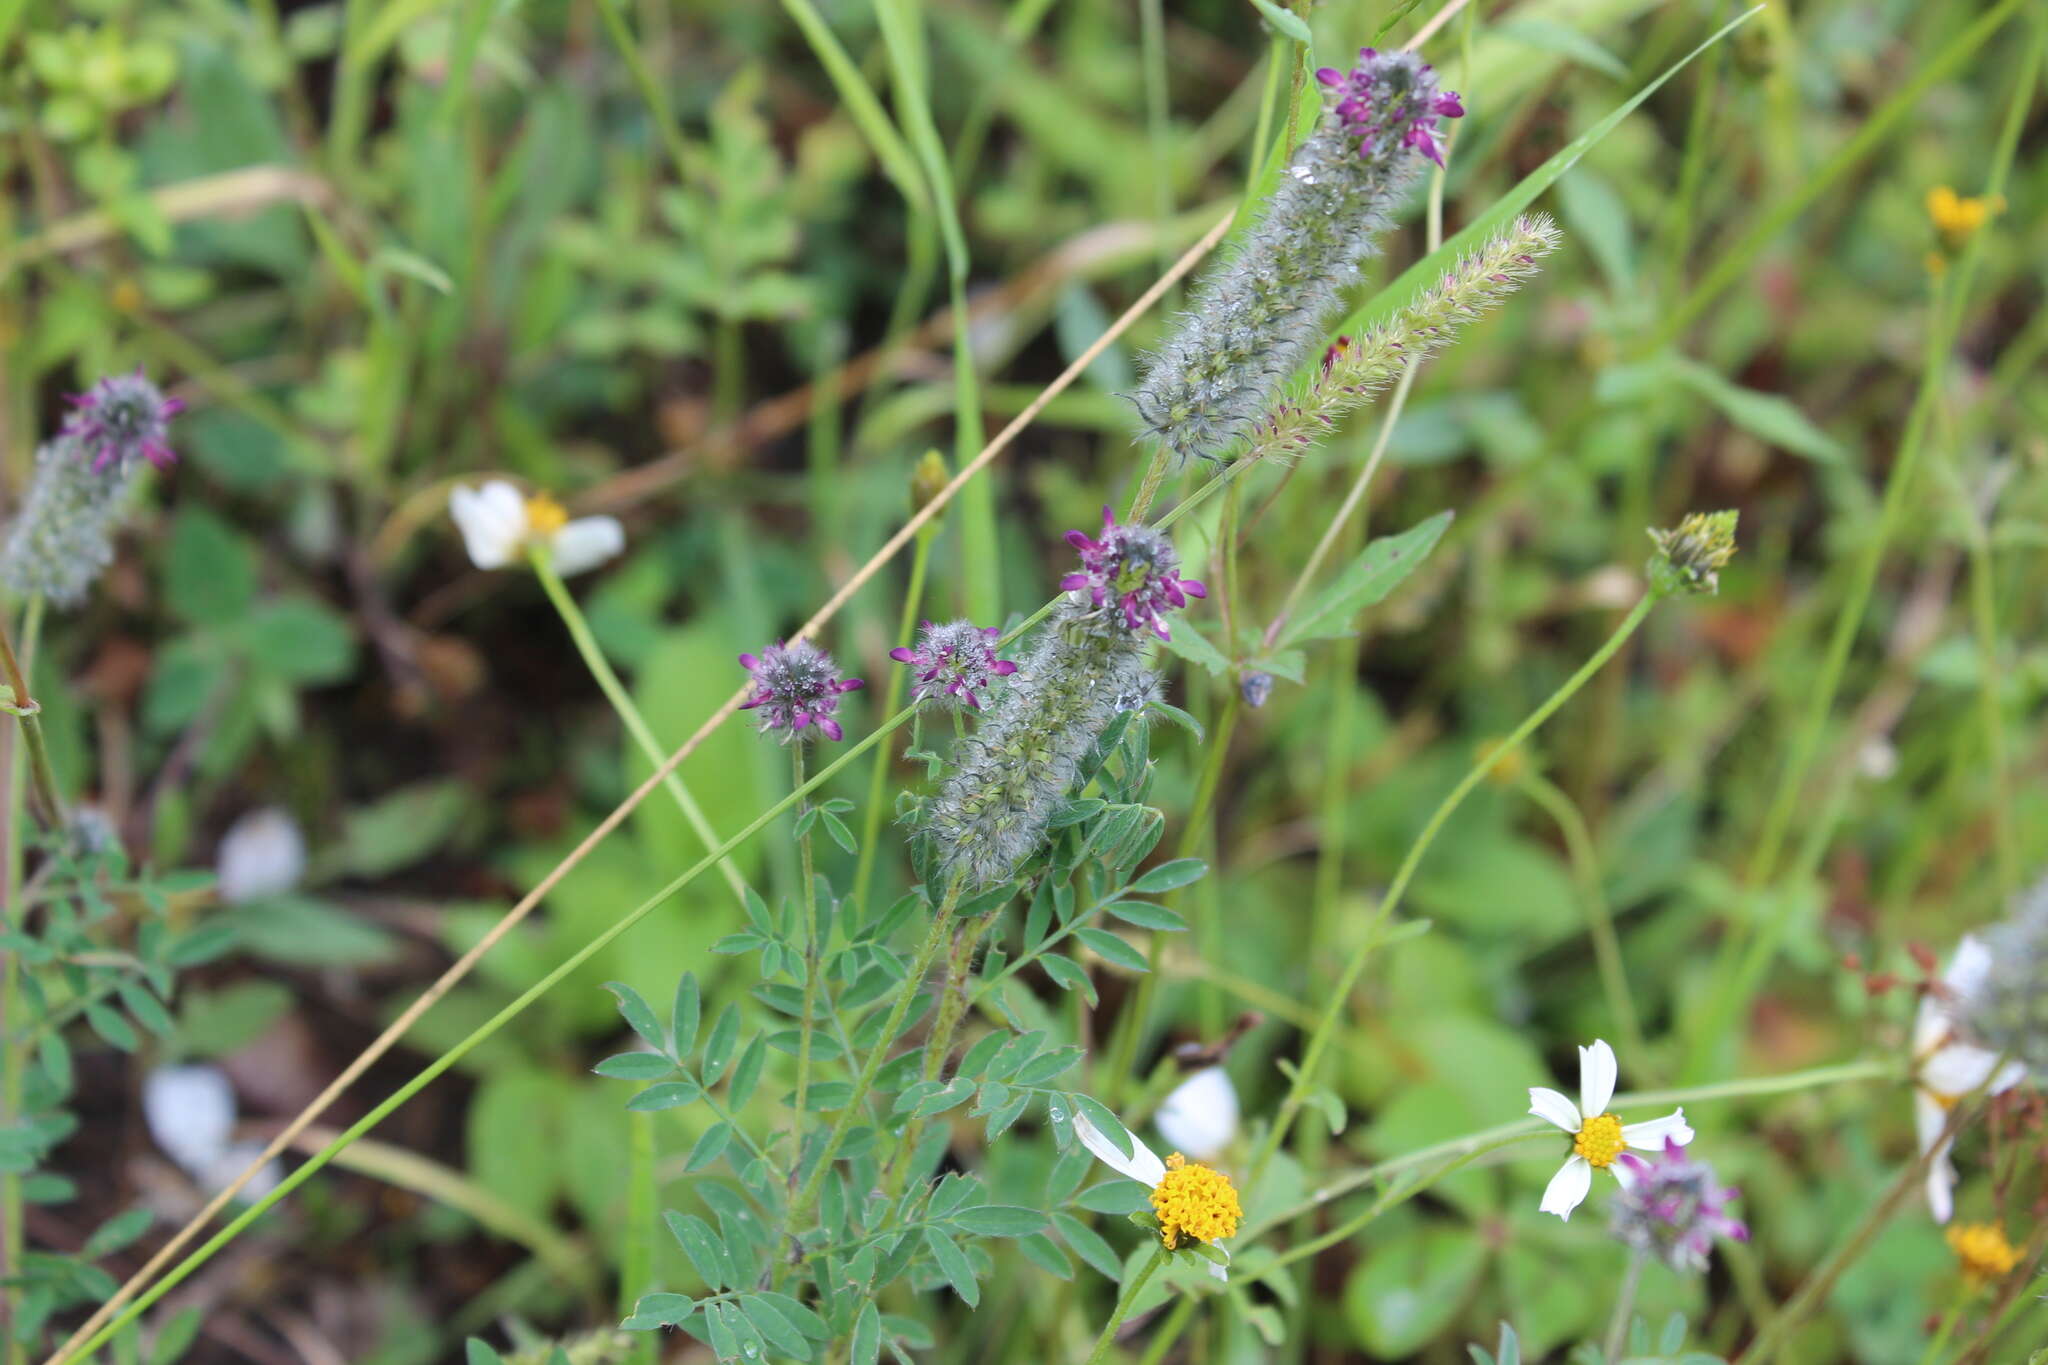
point(499, 524)
point(2006, 1008)
point(1389, 101)
point(1983, 1251)
point(1599, 1139)
point(123, 417)
point(1134, 567)
point(954, 664)
point(1194, 1203)
point(1689, 558)
point(1948, 1067)
point(796, 685)
point(1673, 1208)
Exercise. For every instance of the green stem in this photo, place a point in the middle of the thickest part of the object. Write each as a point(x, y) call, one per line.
point(1578, 842)
point(629, 715)
point(636, 1258)
point(1938, 1343)
point(26, 710)
point(1123, 1305)
point(14, 1041)
point(1169, 1331)
point(1624, 1307)
point(1479, 1143)
point(1326, 1027)
point(1123, 1051)
point(953, 1003)
point(807, 902)
point(665, 123)
point(892, 693)
point(913, 981)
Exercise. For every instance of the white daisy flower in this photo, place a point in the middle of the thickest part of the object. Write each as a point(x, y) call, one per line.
point(1194, 1202)
point(1945, 1069)
point(1598, 1137)
point(498, 524)
point(1200, 1115)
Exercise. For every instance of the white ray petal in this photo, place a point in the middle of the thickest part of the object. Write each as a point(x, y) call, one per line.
point(586, 543)
point(1546, 1103)
point(1200, 1116)
point(492, 520)
point(1567, 1189)
point(1597, 1071)
point(1142, 1165)
point(1649, 1135)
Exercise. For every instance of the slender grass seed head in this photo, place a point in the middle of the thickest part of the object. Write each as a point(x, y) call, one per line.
point(796, 687)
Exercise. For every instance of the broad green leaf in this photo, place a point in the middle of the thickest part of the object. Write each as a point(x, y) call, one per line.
point(1377, 571)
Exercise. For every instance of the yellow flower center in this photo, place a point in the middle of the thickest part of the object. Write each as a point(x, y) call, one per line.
point(1956, 217)
point(1983, 1250)
point(1599, 1140)
point(545, 516)
point(1194, 1202)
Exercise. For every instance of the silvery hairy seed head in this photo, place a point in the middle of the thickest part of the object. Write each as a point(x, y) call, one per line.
point(1010, 775)
point(1257, 318)
point(2007, 1011)
point(63, 537)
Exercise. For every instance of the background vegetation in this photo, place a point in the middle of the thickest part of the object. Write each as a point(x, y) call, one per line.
point(651, 256)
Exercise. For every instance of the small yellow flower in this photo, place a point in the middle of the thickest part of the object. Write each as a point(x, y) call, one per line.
point(1508, 769)
point(1985, 1254)
point(1957, 217)
point(1194, 1201)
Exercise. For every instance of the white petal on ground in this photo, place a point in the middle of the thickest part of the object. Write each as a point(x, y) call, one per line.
point(1200, 1116)
point(1546, 1103)
point(1597, 1071)
point(190, 1111)
point(1929, 1118)
point(262, 854)
point(492, 520)
point(1567, 1189)
point(1142, 1165)
point(586, 543)
point(1649, 1135)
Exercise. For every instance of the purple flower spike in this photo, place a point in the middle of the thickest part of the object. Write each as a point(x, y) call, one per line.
point(1391, 100)
point(121, 417)
point(1135, 567)
point(797, 685)
point(955, 664)
point(1673, 1208)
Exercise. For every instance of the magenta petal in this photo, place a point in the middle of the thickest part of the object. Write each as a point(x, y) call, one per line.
point(902, 654)
point(1073, 581)
point(749, 662)
point(1329, 75)
point(750, 705)
point(831, 728)
point(1192, 588)
point(1081, 542)
point(1003, 668)
point(853, 685)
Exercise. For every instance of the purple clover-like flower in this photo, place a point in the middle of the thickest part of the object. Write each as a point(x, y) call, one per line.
point(1137, 568)
point(954, 664)
point(121, 417)
point(1673, 1208)
point(797, 685)
point(1390, 100)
